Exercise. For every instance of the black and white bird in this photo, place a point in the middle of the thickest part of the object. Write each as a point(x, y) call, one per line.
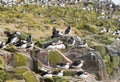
point(47, 44)
point(83, 44)
point(58, 73)
point(30, 45)
point(21, 44)
point(71, 41)
point(13, 38)
point(55, 45)
point(81, 74)
point(2, 44)
point(55, 33)
point(47, 74)
point(63, 65)
point(68, 30)
point(77, 64)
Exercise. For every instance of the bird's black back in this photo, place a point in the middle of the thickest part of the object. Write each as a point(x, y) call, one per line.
point(71, 40)
point(75, 63)
point(67, 30)
point(61, 64)
point(42, 74)
point(79, 73)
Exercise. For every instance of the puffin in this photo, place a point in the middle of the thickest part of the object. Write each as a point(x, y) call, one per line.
point(2, 44)
point(13, 38)
point(71, 41)
point(63, 65)
point(55, 33)
point(84, 44)
point(77, 64)
point(55, 45)
point(47, 74)
point(67, 30)
point(58, 73)
point(81, 74)
point(21, 44)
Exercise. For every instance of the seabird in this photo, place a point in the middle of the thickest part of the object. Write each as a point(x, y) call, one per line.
point(2, 44)
point(21, 44)
point(77, 64)
point(58, 73)
point(30, 45)
point(55, 45)
point(55, 33)
point(92, 55)
point(44, 69)
point(13, 38)
point(68, 30)
point(81, 74)
point(71, 41)
point(63, 65)
point(47, 74)
point(83, 44)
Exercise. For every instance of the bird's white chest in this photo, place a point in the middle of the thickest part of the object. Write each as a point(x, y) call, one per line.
point(14, 40)
point(47, 76)
point(24, 46)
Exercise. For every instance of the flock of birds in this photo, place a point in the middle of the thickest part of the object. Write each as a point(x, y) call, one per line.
point(64, 65)
point(60, 44)
point(15, 39)
point(75, 65)
point(114, 33)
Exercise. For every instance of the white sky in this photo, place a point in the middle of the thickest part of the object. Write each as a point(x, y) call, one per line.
point(116, 1)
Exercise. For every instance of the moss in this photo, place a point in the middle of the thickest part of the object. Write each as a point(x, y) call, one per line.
point(101, 49)
point(4, 75)
point(49, 80)
point(68, 73)
point(12, 80)
point(91, 28)
point(30, 77)
point(20, 60)
point(19, 70)
point(58, 79)
point(2, 63)
point(11, 48)
point(115, 62)
point(55, 57)
point(105, 39)
point(111, 63)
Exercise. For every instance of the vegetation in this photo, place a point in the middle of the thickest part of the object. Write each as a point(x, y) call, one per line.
point(28, 18)
point(54, 58)
point(20, 60)
point(2, 63)
point(30, 77)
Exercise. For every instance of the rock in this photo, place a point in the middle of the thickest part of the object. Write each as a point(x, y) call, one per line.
point(6, 56)
point(94, 64)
